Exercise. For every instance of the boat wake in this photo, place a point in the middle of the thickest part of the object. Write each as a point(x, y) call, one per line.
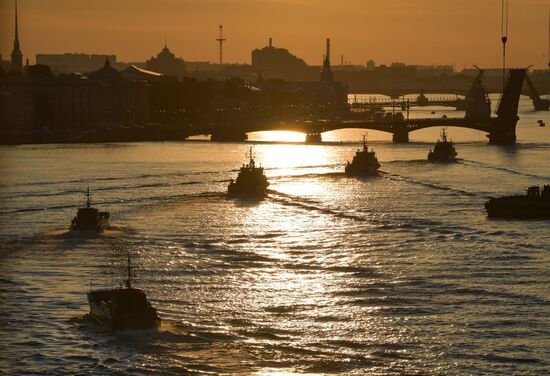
point(408, 179)
point(308, 204)
point(504, 169)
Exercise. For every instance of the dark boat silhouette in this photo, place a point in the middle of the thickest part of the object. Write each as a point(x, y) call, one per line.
point(89, 218)
point(364, 162)
point(422, 100)
point(534, 205)
point(313, 138)
point(251, 180)
point(123, 308)
point(444, 150)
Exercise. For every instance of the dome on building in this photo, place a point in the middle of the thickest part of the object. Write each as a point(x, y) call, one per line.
point(167, 63)
point(106, 73)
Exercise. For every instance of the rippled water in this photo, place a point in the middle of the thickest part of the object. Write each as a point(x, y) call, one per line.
point(401, 273)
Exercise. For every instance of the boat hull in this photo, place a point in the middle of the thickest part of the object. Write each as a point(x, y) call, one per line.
point(90, 219)
point(354, 171)
point(106, 311)
point(435, 158)
point(100, 226)
point(236, 190)
point(518, 207)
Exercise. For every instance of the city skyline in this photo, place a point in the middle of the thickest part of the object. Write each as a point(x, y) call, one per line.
point(191, 28)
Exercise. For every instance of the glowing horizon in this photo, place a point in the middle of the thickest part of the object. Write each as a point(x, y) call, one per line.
point(428, 32)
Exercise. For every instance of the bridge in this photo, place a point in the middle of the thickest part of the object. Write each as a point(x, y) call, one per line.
point(500, 129)
point(476, 96)
point(539, 104)
point(368, 104)
point(397, 93)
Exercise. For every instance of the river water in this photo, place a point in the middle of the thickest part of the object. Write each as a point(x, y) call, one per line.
point(398, 274)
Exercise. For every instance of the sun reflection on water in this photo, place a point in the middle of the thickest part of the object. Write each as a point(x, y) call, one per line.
point(292, 156)
point(279, 136)
point(277, 372)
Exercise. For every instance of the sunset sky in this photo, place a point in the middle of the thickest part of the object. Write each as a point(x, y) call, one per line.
point(461, 32)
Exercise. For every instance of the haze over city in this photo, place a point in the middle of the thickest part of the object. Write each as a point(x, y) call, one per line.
point(462, 32)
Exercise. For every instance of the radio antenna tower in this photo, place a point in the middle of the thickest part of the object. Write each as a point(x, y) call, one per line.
point(220, 40)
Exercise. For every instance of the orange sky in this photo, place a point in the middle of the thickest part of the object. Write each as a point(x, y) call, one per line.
point(460, 32)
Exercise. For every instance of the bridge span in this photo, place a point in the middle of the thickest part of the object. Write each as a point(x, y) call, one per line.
point(399, 129)
point(459, 104)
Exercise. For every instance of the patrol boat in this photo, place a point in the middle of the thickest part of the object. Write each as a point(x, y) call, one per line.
point(123, 307)
point(534, 205)
point(364, 162)
point(444, 150)
point(90, 219)
point(313, 138)
point(251, 180)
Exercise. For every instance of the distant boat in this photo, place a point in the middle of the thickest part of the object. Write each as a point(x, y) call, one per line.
point(89, 218)
point(534, 205)
point(443, 151)
point(364, 162)
point(422, 100)
point(250, 181)
point(123, 308)
point(313, 138)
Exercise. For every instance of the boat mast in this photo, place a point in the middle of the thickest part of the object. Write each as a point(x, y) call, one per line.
point(88, 198)
point(251, 155)
point(129, 280)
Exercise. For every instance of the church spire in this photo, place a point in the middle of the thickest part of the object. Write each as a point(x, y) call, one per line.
point(326, 74)
point(16, 41)
point(16, 55)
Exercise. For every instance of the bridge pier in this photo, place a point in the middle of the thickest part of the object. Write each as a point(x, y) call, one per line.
point(400, 136)
point(500, 138)
point(505, 134)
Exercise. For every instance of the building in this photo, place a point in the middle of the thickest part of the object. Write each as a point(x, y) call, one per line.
point(371, 64)
point(167, 63)
point(277, 62)
point(16, 54)
point(16, 111)
point(435, 69)
point(74, 62)
point(326, 73)
point(100, 99)
point(193, 66)
point(135, 73)
point(5, 65)
point(323, 95)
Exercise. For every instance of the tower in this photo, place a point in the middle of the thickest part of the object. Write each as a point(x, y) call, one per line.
point(16, 55)
point(220, 40)
point(326, 74)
